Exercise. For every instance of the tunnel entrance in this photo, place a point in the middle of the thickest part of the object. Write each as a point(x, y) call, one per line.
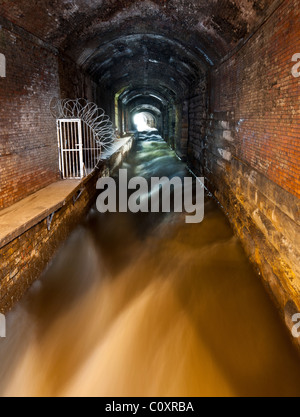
point(144, 121)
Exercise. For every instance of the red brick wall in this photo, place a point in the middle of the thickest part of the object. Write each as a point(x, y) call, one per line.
point(256, 83)
point(197, 127)
point(24, 258)
point(28, 145)
point(28, 141)
point(73, 83)
point(252, 151)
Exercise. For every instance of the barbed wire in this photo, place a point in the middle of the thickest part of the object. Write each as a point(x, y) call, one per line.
point(90, 114)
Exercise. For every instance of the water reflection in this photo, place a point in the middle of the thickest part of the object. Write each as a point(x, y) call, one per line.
point(146, 305)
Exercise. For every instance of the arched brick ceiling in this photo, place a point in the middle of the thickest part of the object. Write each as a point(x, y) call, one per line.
point(146, 107)
point(136, 44)
point(141, 93)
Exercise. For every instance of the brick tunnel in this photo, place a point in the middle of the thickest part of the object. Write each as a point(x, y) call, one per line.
point(218, 80)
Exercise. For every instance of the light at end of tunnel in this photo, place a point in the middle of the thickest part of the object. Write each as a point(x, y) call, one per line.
point(140, 122)
point(144, 121)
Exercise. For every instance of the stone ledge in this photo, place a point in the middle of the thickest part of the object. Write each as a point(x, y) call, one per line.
point(26, 256)
point(23, 215)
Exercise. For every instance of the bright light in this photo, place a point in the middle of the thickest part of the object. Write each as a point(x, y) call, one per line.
point(140, 120)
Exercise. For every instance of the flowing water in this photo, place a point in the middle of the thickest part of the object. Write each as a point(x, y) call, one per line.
point(146, 305)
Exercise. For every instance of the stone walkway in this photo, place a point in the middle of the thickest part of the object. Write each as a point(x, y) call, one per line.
point(21, 216)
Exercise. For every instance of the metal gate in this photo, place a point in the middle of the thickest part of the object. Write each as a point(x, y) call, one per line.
point(70, 145)
point(78, 149)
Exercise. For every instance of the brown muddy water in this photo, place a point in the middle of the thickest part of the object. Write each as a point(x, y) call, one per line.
point(146, 305)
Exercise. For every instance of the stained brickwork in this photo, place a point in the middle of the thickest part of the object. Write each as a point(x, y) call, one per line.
point(251, 151)
point(198, 114)
point(28, 140)
point(24, 258)
point(28, 146)
point(223, 70)
point(257, 84)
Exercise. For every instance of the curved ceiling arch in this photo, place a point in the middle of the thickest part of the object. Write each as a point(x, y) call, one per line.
point(151, 93)
point(142, 58)
point(121, 43)
point(148, 42)
point(147, 101)
point(163, 83)
point(145, 108)
point(142, 102)
point(212, 27)
point(99, 32)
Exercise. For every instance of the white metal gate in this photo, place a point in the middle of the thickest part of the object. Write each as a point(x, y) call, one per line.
point(70, 146)
point(78, 149)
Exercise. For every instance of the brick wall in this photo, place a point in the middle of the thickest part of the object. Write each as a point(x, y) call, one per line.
point(251, 151)
point(24, 258)
point(28, 141)
point(198, 109)
point(258, 85)
point(73, 83)
point(28, 149)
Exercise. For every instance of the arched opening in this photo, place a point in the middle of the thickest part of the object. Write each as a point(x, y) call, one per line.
point(144, 121)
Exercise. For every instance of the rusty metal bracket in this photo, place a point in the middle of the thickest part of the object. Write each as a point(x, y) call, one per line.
point(77, 196)
point(49, 221)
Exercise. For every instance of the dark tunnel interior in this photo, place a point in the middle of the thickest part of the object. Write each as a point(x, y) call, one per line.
point(205, 90)
point(143, 54)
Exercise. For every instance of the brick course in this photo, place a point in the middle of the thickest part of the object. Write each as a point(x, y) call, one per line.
point(250, 151)
point(28, 140)
point(257, 84)
point(24, 258)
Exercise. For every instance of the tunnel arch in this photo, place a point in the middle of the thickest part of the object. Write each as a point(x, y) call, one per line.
point(132, 99)
point(144, 120)
point(215, 27)
point(116, 43)
point(161, 49)
point(153, 115)
point(218, 71)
